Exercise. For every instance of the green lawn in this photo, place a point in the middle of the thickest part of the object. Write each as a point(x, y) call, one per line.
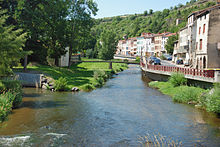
point(78, 75)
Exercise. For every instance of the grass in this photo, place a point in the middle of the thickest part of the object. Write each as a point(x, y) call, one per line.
point(192, 95)
point(79, 75)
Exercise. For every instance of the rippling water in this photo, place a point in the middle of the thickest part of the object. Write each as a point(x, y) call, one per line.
point(115, 115)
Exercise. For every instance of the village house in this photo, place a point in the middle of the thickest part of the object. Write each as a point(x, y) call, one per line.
point(208, 38)
point(183, 47)
point(160, 41)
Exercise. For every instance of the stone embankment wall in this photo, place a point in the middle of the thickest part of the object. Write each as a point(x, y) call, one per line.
point(29, 79)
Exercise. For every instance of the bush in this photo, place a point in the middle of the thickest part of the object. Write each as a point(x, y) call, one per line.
point(14, 87)
point(88, 87)
point(97, 74)
point(138, 59)
point(89, 53)
point(177, 79)
point(213, 100)
point(162, 57)
point(60, 84)
point(6, 104)
point(187, 94)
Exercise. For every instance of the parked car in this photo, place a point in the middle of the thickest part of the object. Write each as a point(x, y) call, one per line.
point(179, 61)
point(168, 57)
point(154, 60)
point(157, 62)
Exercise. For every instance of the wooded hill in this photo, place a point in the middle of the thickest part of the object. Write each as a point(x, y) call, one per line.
point(149, 21)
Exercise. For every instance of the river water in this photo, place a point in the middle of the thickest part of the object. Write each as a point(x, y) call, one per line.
point(118, 114)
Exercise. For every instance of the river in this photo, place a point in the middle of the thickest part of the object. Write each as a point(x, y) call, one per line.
point(118, 114)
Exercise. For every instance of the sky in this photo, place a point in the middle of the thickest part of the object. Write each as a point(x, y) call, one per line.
point(109, 8)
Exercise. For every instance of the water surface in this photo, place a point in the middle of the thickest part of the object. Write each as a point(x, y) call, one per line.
point(115, 115)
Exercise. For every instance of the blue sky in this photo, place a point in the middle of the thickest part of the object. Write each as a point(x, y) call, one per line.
point(108, 8)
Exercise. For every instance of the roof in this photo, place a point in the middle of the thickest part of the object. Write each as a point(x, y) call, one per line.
point(198, 13)
point(207, 10)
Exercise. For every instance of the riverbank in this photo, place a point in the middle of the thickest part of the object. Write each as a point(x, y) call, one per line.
point(78, 75)
point(180, 92)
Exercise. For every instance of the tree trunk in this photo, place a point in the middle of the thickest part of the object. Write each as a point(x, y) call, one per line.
point(25, 63)
point(57, 61)
point(70, 55)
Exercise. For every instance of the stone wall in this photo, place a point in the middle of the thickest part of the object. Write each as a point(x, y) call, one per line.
point(214, 39)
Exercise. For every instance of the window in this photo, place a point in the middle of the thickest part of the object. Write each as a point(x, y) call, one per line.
point(203, 28)
point(200, 44)
point(199, 30)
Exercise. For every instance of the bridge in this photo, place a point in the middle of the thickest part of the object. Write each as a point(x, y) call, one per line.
point(101, 61)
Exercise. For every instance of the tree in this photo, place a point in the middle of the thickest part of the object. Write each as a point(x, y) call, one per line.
point(151, 12)
point(11, 43)
point(107, 45)
point(170, 43)
point(145, 13)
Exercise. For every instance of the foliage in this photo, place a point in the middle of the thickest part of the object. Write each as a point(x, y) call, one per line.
point(60, 84)
point(88, 87)
point(13, 87)
point(162, 57)
point(138, 59)
point(187, 94)
point(177, 79)
point(207, 99)
point(213, 100)
point(170, 43)
point(6, 100)
point(107, 45)
point(89, 53)
point(100, 76)
point(11, 43)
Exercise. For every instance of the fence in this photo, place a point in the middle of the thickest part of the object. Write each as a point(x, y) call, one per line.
point(185, 71)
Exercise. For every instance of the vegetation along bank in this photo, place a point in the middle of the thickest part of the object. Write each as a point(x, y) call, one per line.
point(177, 88)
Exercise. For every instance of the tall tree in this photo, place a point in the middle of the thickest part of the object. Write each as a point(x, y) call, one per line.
point(107, 45)
point(11, 43)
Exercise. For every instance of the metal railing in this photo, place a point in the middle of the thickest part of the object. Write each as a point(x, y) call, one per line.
point(185, 71)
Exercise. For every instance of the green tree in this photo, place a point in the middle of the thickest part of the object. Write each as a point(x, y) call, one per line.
point(170, 43)
point(11, 43)
point(145, 13)
point(107, 45)
point(151, 11)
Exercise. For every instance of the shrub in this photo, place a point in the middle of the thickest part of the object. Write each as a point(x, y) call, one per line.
point(213, 100)
point(100, 74)
point(177, 79)
point(100, 82)
point(88, 87)
point(89, 53)
point(138, 59)
point(162, 57)
point(6, 104)
point(187, 94)
point(60, 84)
point(14, 87)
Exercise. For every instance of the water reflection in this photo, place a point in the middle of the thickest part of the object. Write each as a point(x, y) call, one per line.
point(114, 115)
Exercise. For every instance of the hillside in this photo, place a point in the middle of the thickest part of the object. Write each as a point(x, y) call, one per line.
point(154, 22)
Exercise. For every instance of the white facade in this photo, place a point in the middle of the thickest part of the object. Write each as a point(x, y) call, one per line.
point(140, 46)
point(202, 41)
point(64, 60)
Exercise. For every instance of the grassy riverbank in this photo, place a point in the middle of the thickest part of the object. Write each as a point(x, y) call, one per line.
point(80, 75)
point(176, 88)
